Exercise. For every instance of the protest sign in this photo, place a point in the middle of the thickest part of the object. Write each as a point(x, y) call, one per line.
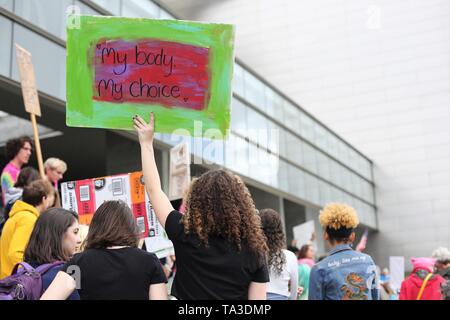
point(397, 272)
point(180, 172)
point(303, 233)
point(85, 196)
point(161, 246)
point(30, 97)
point(118, 67)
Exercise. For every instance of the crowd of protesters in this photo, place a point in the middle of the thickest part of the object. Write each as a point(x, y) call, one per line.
point(224, 247)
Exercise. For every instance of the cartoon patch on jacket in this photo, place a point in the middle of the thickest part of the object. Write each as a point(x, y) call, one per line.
point(355, 288)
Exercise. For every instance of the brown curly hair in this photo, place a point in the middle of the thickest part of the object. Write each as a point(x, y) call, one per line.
point(273, 230)
point(219, 204)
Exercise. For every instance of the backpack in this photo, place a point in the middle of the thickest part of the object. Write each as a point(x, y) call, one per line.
point(25, 283)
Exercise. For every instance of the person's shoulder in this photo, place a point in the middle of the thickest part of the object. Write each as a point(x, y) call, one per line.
point(141, 253)
point(364, 256)
point(175, 215)
point(144, 256)
point(24, 217)
point(289, 255)
point(79, 256)
point(51, 273)
point(322, 264)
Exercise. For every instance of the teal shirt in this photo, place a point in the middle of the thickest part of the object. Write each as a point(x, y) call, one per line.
point(303, 280)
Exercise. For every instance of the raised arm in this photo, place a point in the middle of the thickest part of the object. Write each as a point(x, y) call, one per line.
point(158, 198)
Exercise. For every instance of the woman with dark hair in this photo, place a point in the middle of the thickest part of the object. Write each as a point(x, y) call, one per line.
point(282, 263)
point(55, 237)
point(111, 267)
point(18, 152)
point(305, 263)
point(345, 274)
point(306, 255)
point(219, 243)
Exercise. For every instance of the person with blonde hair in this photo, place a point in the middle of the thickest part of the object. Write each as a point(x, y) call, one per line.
point(54, 170)
point(345, 274)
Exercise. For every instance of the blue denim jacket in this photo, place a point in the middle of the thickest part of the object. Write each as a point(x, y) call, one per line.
point(344, 275)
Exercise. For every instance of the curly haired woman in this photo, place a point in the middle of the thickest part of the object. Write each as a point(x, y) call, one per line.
point(345, 274)
point(219, 243)
point(282, 263)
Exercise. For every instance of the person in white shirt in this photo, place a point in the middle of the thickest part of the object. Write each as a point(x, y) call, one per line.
point(282, 263)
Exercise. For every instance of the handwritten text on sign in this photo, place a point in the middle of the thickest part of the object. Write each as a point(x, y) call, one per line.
point(153, 72)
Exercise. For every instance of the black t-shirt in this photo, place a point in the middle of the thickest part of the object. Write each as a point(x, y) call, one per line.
point(112, 274)
point(218, 271)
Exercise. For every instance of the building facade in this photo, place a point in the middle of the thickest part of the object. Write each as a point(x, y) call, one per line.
point(378, 73)
point(289, 159)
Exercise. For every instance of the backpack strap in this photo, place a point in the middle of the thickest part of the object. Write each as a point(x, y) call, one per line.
point(424, 283)
point(46, 267)
point(24, 265)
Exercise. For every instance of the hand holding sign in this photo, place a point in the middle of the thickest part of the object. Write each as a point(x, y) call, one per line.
point(145, 130)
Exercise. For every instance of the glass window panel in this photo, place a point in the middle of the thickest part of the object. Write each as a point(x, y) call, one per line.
point(140, 8)
point(333, 146)
point(291, 117)
point(283, 177)
point(335, 173)
point(333, 193)
point(309, 158)
point(49, 60)
point(367, 191)
point(257, 127)
point(294, 148)
point(325, 192)
point(272, 170)
point(321, 135)
point(306, 127)
point(263, 166)
point(283, 144)
point(354, 159)
point(323, 168)
point(312, 189)
point(238, 117)
point(254, 90)
point(112, 6)
point(356, 185)
point(5, 48)
point(358, 205)
point(255, 120)
point(238, 80)
point(366, 168)
point(273, 142)
point(338, 195)
point(274, 104)
point(346, 180)
point(343, 150)
point(7, 4)
point(297, 182)
point(49, 15)
point(236, 155)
